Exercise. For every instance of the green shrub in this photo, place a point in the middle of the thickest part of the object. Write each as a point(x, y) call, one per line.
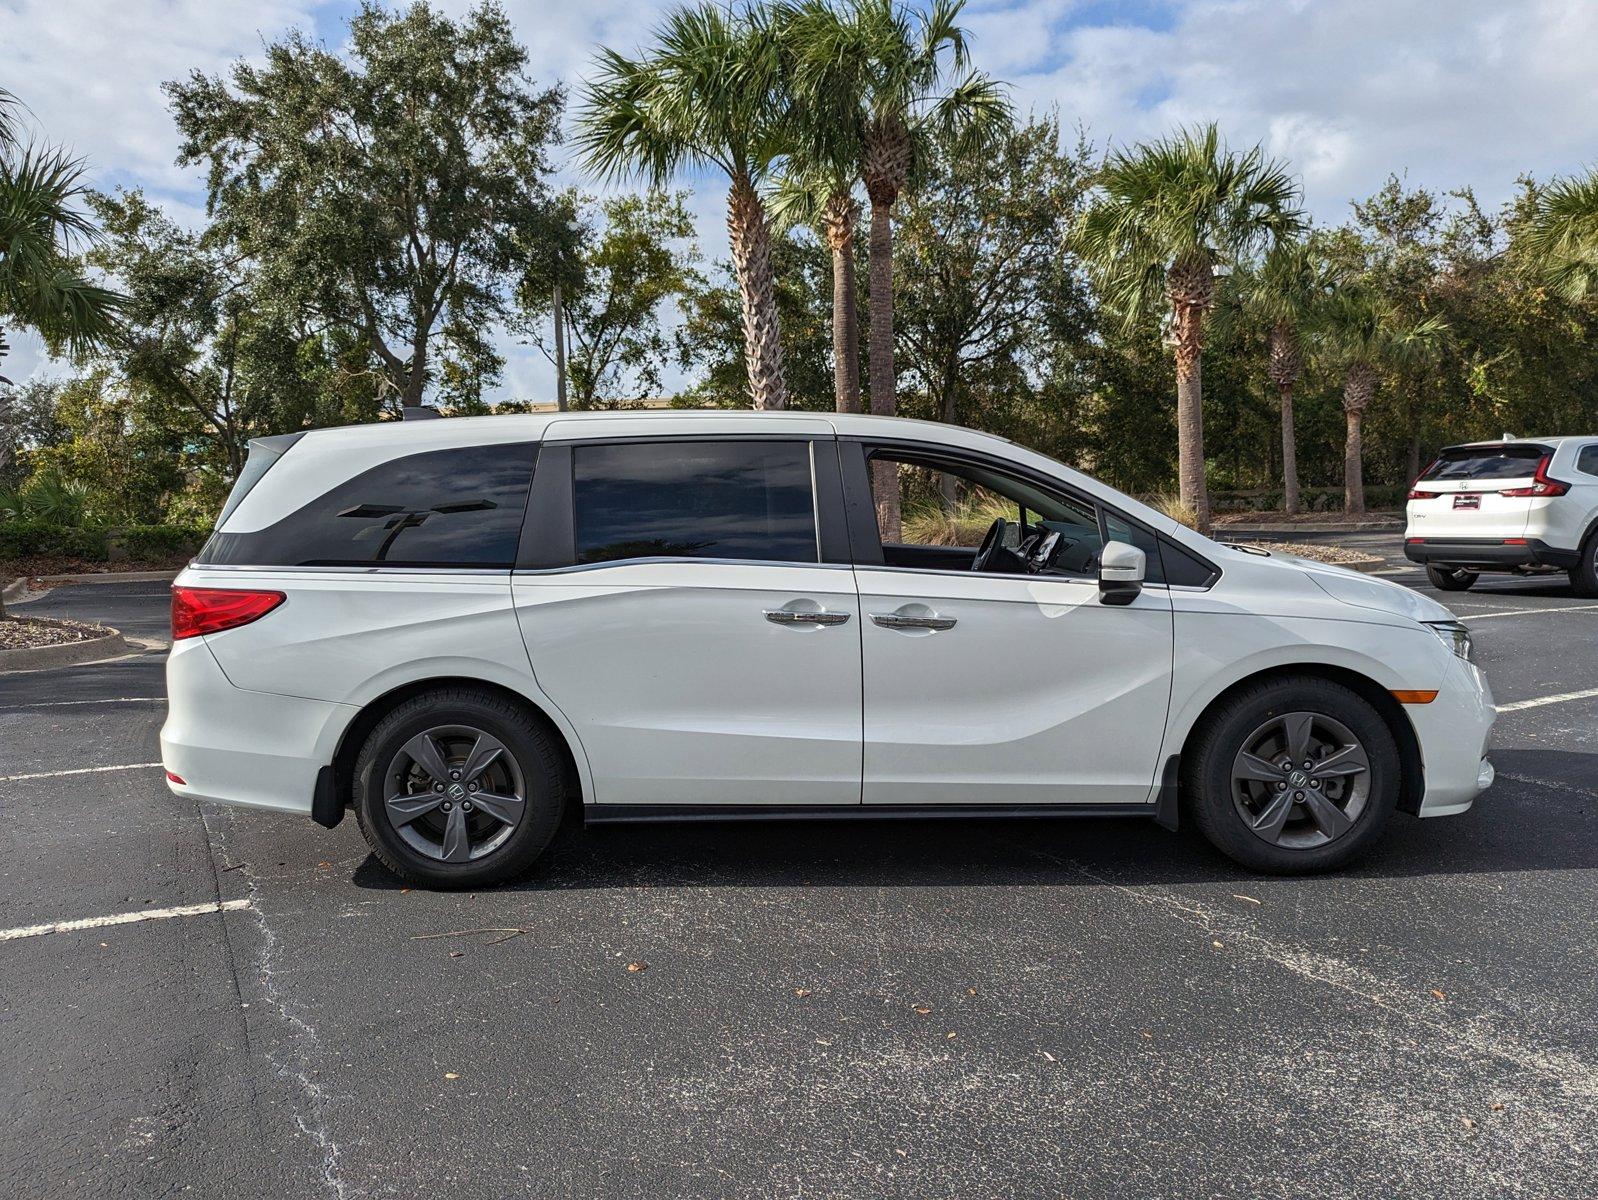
point(158, 541)
point(43, 539)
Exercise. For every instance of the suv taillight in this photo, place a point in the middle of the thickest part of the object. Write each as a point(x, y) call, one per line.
point(1417, 494)
point(197, 610)
point(1542, 485)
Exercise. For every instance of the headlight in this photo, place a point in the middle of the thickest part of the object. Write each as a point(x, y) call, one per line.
point(1455, 636)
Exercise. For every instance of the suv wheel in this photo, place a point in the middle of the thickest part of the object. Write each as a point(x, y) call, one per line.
point(459, 788)
point(1293, 775)
point(1451, 579)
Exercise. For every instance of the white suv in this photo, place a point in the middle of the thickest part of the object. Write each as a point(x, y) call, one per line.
point(465, 629)
point(1525, 505)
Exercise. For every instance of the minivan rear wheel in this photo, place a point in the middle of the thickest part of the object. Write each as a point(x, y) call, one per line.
point(1291, 775)
point(1451, 579)
point(459, 788)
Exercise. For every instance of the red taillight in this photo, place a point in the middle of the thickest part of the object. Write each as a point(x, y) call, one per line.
point(1514, 541)
point(1417, 494)
point(1415, 541)
point(1543, 486)
point(197, 610)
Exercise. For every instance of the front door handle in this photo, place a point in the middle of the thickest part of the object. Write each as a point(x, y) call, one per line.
point(905, 621)
point(791, 616)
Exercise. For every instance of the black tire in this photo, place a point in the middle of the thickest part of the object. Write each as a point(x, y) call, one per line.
point(1213, 752)
point(1451, 579)
point(1584, 575)
point(528, 752)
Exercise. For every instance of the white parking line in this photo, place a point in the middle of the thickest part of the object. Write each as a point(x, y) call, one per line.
point(127, 918)
point(70, 703)
point(1525, 612)
point(77, 771)
point(1559, 698)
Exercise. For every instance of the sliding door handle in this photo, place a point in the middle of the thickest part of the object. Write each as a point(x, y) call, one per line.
point(904, 621)
point(790, 616)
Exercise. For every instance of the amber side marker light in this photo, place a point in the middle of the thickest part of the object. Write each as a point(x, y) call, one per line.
point(1419, 697)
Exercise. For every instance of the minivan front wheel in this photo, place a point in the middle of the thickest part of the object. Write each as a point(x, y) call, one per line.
point(459, 788)
point(1293, 774)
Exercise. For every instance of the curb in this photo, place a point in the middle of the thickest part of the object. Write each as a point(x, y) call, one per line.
point(23, 585)
point(1303, 530)
point(67, 654)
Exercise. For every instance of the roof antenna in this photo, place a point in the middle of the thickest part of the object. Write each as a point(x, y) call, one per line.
point(419, 412)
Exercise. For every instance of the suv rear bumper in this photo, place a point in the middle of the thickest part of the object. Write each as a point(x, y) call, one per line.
point(1492, 554)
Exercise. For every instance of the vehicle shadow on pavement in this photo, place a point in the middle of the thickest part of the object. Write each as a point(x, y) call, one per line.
point(1542, 815)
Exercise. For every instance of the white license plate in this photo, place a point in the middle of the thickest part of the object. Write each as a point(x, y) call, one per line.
point(1467, 501)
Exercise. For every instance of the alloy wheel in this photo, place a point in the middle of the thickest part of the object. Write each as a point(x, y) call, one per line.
point(454, 793)
point(1301, 780)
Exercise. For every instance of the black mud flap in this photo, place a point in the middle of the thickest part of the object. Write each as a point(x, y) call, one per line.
point(326, 808)
point(1167, 809)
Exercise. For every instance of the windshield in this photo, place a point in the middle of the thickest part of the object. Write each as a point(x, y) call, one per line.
point(1516, 461)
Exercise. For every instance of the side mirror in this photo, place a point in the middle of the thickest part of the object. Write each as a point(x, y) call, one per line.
point(1121, 571)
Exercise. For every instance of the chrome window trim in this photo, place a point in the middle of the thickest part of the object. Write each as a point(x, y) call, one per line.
point(679, 559)
point(352, 570)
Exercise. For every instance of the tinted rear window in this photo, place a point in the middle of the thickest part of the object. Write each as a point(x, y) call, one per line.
point(444, 508)
point(1487, 462)
point(735, 499)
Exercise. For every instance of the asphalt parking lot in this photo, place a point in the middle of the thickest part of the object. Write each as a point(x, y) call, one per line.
point(1062, 1009)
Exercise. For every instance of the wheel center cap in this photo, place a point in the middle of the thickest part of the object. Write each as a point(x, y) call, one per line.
point(455, 792)
point(1298, 779)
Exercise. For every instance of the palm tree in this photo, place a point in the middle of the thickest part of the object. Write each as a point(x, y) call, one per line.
point(1284, 296)
point(1560, 236)
point(1362, 333)
point(894, 77)
point(40, 285)
point(824, 197)
point(1171, 215)
point(706, 95)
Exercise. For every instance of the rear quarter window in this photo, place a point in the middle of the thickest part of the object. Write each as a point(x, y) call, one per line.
point(442, 508)
point(1587, 459)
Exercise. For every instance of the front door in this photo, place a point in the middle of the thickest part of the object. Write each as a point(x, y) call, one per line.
point(698, 641)
point(1002, 686)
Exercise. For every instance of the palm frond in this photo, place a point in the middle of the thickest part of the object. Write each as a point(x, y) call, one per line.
point(1560, 238)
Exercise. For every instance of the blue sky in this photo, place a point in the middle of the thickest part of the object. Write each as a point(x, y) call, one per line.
point(1448, 92)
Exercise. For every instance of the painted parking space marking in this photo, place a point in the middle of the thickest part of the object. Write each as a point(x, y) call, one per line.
point(1559, 698)
point(73, 703)
point(77, 771)
point(1526, 612)
point(125, 918)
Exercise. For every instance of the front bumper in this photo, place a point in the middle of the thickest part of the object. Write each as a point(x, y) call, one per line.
point(240, 747)
point(1453, 732)
point(1488, 554)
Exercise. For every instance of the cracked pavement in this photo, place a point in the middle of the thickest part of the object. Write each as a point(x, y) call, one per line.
point(1047, 1008)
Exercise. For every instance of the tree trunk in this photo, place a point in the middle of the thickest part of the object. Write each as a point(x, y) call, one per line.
point(1353, 465)
point(1290, 499)
point(1358, 388)
point(1284, 364)
point(949, 413)
point(838, 220)
point(1191, 288)
point(751, 259)
point(883, 396)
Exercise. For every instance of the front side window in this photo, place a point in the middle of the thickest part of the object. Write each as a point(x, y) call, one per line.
point(736, 499)
point(444, 508)
point(947, 509)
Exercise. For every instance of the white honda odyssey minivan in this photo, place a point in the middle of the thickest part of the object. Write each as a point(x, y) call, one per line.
point(466, 629)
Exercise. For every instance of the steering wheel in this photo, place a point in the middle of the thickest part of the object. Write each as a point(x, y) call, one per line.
point(992, 543)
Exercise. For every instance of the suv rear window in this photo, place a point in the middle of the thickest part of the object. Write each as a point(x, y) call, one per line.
point(735, 499)
point(1517, 461)
point(443, 508)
